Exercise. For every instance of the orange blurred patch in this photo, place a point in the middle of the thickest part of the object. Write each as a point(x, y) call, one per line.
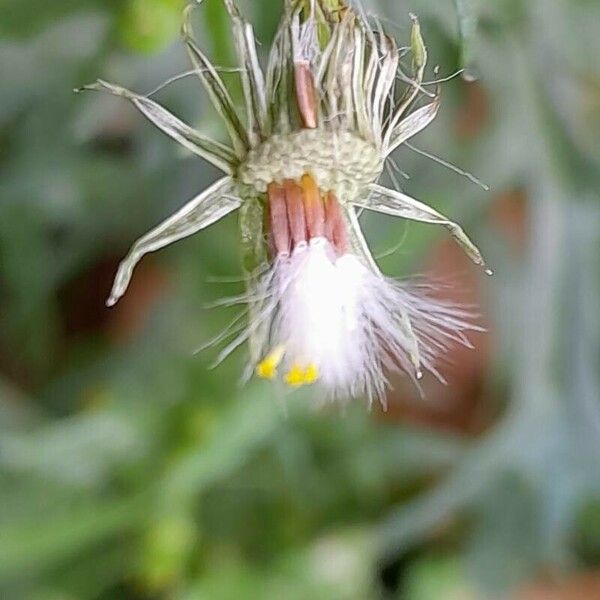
point(509, 215)
point(474, 112)
point(129, 316)
point(82, 301)
point(457, 405)
point(584, 586)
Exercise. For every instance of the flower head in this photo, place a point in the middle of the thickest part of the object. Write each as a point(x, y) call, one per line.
point(319, 124)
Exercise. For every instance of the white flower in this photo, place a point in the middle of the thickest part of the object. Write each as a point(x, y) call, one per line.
point(319, 126)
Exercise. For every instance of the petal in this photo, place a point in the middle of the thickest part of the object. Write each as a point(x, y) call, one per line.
point(253, 82)
point(213, 84)
point(383, 86)
point(333, 76)
point(279, 75)
point(358, 80)
point(216, 153)
point(206, 208)
point(395, 203)
point(419, 53)
point(413, 124)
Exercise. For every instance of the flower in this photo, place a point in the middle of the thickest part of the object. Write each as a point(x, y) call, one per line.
point(320, 123)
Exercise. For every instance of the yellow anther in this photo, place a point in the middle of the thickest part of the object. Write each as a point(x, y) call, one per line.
point(295, 376)
point(298, 375)
point(311, 373)
point(267, 368)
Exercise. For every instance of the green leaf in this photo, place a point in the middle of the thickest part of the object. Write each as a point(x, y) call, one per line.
point(44, 542)
point(149, 25)
point(25, 19)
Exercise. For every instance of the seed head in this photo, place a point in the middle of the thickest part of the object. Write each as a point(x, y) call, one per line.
point(320, 122)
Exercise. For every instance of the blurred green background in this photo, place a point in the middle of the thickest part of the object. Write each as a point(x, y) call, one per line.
point(130, 470)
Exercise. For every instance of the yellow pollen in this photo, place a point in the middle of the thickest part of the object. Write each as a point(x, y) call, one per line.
point(298, 376)
point(295, 376)
point(267, 368)
point(311, 374)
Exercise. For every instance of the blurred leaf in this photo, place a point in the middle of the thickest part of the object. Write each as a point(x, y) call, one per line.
point(248, 424)
point(436, 577)
point(40, 544)
point(80, 451)
point(24, 19)
point(467, 26)
point(149, 25)
point(165, 548)
point(506, 541)
point(336, 567)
